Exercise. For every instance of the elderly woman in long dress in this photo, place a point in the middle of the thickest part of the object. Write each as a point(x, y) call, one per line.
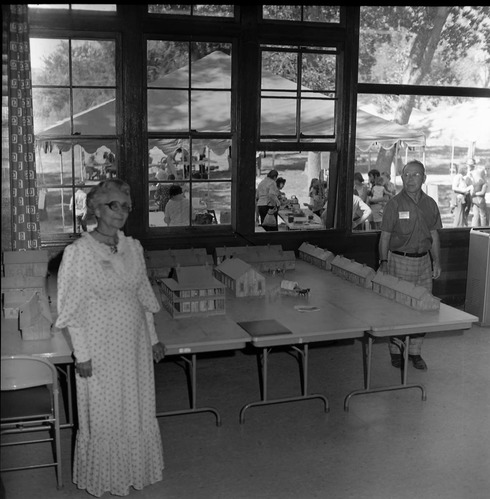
point(106, 301)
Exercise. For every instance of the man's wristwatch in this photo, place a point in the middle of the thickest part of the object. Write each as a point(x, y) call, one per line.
point(381, 261)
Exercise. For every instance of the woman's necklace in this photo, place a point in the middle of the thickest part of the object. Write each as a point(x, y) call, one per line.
point(112, 244)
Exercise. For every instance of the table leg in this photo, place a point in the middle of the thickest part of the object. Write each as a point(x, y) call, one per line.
point(191, 365)
point(69, 391)
point(303, 352)
point(367, 378)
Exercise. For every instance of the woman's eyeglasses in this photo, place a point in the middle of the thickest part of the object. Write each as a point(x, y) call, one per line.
point(117, 206)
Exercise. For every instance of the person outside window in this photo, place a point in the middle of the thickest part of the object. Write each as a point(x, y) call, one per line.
point(360, 213)
point(478, 202)
point(177, 210)
point(388, 184)
point(409, 247)
point(461, 197)
point(267, 198)
point(179, 157)
point(162, 193)
point(317, 201)
point(360, 187)
point(372, 176)
point(281, 182)
point(107, 303)
point(377, 200)
point(79, 204)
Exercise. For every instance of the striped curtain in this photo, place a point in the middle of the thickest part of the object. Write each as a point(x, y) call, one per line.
point(25, 216)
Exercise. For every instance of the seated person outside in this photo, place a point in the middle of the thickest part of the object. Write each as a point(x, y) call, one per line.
point(281, 182)
point(316, 199)
point(178, 209)
point(162, 194)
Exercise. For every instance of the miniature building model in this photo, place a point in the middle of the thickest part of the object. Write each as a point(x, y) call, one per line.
point(24, 273)
point(192, 291)
point(240, 277)
point(159, 263)
point(316, 256)
point(404, 292)
point(19, 289)
point(221, 254)
point(35, 318)
point(357, 273)
point(32, 263)
point(268, 258)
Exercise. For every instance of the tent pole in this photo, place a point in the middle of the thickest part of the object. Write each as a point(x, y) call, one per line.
point(61, 182)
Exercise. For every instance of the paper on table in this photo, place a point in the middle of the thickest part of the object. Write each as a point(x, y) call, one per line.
point(306, 308)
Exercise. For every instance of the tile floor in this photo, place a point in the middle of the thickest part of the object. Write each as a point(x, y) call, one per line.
point(390, 445)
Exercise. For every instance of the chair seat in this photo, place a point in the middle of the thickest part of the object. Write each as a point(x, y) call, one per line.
point(26, 403)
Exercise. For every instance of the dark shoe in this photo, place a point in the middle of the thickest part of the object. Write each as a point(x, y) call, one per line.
point(418, 362)
point(396, 360)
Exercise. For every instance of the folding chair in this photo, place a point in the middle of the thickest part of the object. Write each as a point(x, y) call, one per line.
point(30, 403)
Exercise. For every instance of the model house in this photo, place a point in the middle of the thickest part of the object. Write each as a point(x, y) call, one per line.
point(270, 258)
point(404, 292)
point(240, 277)
point(35, 318)
point(18, 290)
point(316, 256)
point(159, 263)
point(192, 291)
point(357, 273)
point(32, 263)
point(224, 252)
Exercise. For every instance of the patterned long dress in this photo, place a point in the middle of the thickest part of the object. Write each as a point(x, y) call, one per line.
point(107, 303)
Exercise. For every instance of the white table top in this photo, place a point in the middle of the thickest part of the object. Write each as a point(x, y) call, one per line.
point(385, 316)
point(344, 311)
point(58, 348)
point(199, 334)
point(302, 222)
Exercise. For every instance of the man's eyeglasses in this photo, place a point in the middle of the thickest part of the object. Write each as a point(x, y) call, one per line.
point(117, 206)
point(412, 175)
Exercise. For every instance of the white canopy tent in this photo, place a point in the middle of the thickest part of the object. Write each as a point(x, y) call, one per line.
point(211, 112)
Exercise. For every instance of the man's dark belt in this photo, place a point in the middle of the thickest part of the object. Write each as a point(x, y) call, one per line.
point(410, 255)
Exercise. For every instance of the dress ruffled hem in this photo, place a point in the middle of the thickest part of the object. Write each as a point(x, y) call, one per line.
point(114, 466)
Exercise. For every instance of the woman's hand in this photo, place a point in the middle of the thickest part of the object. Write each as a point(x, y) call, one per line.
point(159, 351)
point(84, 369)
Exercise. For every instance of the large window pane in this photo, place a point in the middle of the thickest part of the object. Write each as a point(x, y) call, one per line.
point(442, 132)
point(73, 97)
point(305, 13)
point(300, 170)
point(424, 45)
point(186, 102)
point(194, 10)
point(298, 94)
point(93, 63)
